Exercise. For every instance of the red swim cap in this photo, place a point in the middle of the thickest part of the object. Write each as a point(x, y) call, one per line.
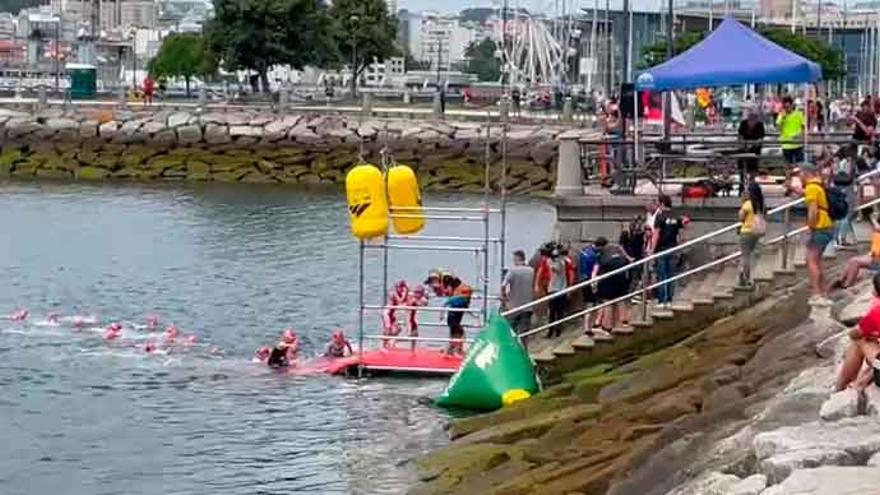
point(289, 337)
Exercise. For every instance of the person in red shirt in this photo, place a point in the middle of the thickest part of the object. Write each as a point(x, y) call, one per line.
point(149, 88)
point(864, 347)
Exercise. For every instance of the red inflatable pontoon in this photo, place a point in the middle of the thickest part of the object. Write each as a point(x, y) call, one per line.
point(422, 361)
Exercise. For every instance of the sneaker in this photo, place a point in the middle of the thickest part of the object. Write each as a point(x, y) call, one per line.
point(820, 302)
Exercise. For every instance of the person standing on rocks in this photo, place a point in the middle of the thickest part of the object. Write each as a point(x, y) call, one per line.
point(821, 231)
point(864, 348)
point(517, 290)
point(667, 229)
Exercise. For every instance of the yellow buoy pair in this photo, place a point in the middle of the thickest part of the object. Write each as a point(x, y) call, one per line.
point(370, 195)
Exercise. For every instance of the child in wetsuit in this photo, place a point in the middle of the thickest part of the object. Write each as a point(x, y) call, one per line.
point(339, 346)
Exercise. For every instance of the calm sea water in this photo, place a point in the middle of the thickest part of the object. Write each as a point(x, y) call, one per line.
point(234, 265)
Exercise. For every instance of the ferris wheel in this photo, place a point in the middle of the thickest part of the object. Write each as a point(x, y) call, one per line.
point(539, 40)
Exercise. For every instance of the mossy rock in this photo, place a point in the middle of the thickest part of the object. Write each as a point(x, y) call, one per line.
point(136, 156)
point(224, 177)
point(44, 173)
point(9, 156)
point(163, 162)
point(267, 167)
point(532, 426)
point(318, 165)
point(524, 409)
point(227, 163)
point(294, 171)
point(24, 170)
point(87, 157)
point(92, 173)
point(446, 468)
point(310, 179)
point(258, 178)
point(125, 173)
point(194, 168)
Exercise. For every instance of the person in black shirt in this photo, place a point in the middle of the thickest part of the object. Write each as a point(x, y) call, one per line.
point(667, 228)
point(751, 134)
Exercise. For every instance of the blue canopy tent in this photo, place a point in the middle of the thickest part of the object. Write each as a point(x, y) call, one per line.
point(731, 55)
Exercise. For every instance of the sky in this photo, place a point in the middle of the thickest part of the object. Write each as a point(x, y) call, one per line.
point(451, 6)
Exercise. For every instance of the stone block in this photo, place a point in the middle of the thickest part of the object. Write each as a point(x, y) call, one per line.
point(246, 131)
point(189, 134)
point(108, 130)
point(829, 480)
point(88, 129)
point(217, 134)
point(19, 127)
point(843, 404)
point(178, 119)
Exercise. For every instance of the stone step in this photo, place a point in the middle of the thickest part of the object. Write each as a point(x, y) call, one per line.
point(583, 343)
point(623, 330)
point(729, 276)
point(641, 323)
point(682, 307)
point(662, 314)
point(564, 349)
point(543, 357)
point(601, 336)
point(706, 288)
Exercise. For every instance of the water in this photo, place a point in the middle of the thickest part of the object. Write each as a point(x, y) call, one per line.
point(234, 265)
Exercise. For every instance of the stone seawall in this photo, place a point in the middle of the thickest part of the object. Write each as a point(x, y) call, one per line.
point(265, 148)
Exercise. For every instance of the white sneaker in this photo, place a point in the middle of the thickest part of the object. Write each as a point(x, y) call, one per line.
point(820, 302)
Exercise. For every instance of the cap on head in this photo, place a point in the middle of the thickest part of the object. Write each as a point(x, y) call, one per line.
point(338, 336)
point(808, 168)
point(288, 336)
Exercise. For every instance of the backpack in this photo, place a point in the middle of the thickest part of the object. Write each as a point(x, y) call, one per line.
point(586, 261)
point(838, 207)
point(843, 173)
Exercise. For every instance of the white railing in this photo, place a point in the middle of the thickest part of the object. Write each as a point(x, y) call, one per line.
point(643, 263)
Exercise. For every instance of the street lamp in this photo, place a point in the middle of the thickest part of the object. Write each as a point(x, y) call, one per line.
point(354, 21)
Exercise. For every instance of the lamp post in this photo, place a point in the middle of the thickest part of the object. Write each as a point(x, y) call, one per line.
point(354, 21)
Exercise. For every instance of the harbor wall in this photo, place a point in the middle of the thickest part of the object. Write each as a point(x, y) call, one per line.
point(259, 147)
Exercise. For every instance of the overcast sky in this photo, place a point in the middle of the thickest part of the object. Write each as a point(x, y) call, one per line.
point(545, 5)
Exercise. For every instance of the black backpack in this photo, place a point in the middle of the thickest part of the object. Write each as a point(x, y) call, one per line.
point(838, 207)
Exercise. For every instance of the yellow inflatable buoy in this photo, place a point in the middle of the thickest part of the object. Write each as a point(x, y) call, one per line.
point(403, 193)
point(511, 397)
point(367, 202)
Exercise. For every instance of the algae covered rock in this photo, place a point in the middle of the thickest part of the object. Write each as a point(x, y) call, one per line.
point(92, 173)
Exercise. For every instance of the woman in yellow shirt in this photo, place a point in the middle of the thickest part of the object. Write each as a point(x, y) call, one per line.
point(821, 231)
point(751, 214)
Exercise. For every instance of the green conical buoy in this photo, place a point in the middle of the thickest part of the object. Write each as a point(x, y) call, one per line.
point(497, 371)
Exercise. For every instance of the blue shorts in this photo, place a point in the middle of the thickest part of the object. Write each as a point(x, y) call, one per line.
point(820, 239)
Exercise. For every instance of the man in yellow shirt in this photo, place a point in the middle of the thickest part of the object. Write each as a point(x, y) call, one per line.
point(821, 231)
point(791, 124)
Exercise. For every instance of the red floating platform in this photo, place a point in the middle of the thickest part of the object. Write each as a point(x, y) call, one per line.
point(421, 361)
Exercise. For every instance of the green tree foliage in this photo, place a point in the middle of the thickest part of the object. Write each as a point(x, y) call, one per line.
point(829, 58)
point(482, 60)
point(182, 55)
point(257, 34)
point(363, 31)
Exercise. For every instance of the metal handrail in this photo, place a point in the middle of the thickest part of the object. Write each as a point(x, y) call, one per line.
point(688, 273)
point(656, 256)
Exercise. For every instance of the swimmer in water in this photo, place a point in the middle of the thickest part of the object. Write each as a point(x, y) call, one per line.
point(19, 315)
point(262, 355)
point(339, 346)
point(113, 331)
point(150, 347)
point(171, 334)
point(54, 318)
point(191, 340)
point(286, 351)
point(152, 322)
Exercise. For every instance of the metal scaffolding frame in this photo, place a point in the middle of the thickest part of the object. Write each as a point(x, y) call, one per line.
point(480, 245)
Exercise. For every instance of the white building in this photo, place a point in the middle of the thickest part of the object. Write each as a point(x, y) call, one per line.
point(138, 14)
point(444, 41)
point(384, 74)
point(392, 7)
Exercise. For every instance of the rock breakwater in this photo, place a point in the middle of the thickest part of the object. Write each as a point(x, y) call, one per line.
point(266, 148)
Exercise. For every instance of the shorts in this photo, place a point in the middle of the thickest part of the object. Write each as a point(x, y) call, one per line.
point(793, 156)
point(614, 287)
point(820, 239)
point(874, 266)
point(589, 294)
point(453, 320)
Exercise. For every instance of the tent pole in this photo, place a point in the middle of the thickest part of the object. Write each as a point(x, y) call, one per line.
point(635, 157)
point(806, 119)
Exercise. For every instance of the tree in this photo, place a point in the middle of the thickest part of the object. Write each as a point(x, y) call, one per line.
point(181, 55)
point(258, 34)
point(363, 31)
point(829, 58)
point(482, 60)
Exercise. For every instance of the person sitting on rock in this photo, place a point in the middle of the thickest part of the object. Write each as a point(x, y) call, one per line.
point(864, 347)
point(870, 261)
